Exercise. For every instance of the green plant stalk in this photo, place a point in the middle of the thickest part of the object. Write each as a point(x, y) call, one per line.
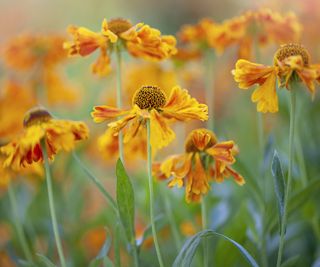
point(288, 187)
point(117, 246)
point(119, 96)
point(209, 89)
point(151, 192)
point(97, 182)
point(173, 223)
point(204, 219)
point(21, 235)
point(51, 205)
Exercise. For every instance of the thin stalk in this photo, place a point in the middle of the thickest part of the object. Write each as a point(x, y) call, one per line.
point(119, 96)
point(51, 206)
point(21, 235)
point(204, 219)
point(151, 192)
point(117, 246)
point(173, 223)
point(289, 179)
point(209, 89)
point(97, 182)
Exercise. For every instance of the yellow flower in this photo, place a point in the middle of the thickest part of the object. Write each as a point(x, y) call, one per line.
point(291, 61)
point(140, 40)
point(39, 125)
point(205, 159)
point(262, 26)
point(150, 102)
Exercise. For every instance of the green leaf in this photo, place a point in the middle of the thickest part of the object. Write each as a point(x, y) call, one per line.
point(279, 184)
point(188, 250)
point(125, 201)
point(45, 260)
point(291, 261)
point(103, 253)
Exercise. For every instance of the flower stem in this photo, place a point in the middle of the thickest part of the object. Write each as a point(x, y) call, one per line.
point(288, 187)
point(97, 182)
point(204, 219)
point(209, 89)
point(18, 225)
point(51, 206)
point(119, 96)
point(173, 223)
point(150, 179)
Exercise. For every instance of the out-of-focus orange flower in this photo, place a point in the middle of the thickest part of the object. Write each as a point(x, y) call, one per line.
point(39, 125)
point(150, 102)
point(205, 159)
point(291, 62)
point(187, 228)
point(40, 55)
point(15, 100)
point(5, 260)
point(93, 240)
point(140, 41)
point(262, 27)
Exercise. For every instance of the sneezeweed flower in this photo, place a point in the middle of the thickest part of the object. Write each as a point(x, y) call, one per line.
point(262, 27)
point(150, 102)
point(205, 159)
point(291, 63)
point(139, 40)
point(39, 126)
point(40, 56)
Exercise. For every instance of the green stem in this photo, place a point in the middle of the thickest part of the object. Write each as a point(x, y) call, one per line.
point(119, 97)
point(117, 246)
point(209, 89)
point(204, 219)
point(21, 236)
point(97, 182)
point(288, 187)
point(51, 206)
point(173, 223)
point(150, 179)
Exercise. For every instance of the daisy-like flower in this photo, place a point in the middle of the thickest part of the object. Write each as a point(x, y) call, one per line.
point(291, 62)
point(140, 40)
point(205, 159)
point(150, 102)
point(262, 26)
point(40, 126)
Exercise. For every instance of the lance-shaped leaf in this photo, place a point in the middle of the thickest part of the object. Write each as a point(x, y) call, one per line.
point(279, 184)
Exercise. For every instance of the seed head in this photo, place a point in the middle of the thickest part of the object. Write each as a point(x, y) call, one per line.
point(149, 97)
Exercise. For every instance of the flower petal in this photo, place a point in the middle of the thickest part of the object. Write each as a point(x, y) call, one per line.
point(103, 113)
point(223, 151)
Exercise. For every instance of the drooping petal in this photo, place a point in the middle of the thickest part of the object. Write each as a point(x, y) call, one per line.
point(118, 125)
point(181, 106)
point(161, 133)
point(106, 32)
point(103, 113)
point(223, 151)
point(102, 66)
point(266, 95)
point(248, 73)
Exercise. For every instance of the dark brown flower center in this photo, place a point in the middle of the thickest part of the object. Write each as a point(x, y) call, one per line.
point(119, 25)
point(36, 115)
point(199, 140)
point(149, 97)
point(289, 50)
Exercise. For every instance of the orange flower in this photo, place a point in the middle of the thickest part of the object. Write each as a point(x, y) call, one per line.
point(262, 26)
point(205, 159)
point(15, 100)
point(140, 41)
point(291, 62)
point(150, 102)
point(39, 125)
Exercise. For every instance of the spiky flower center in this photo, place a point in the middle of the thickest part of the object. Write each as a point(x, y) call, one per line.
point(289, 50)
point(149, 97)
point(36, 115)
point(199, 140)
point(119, 25)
